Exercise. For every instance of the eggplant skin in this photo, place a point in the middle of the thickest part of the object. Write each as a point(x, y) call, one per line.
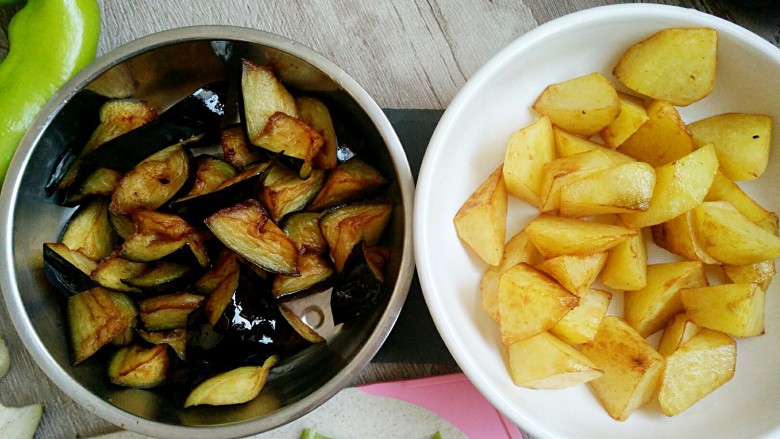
point(67, 269)
point(247, 230)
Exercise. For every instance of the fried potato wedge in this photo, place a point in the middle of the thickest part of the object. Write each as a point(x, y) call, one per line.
point(632, 368)
point(679, 187)
point(527, 151)
point(583, 105)
point(742, 142)
point(518, 249)
point(679, 329)
point(626, 265)
point(567, 144)
point(730, 237)
point(556, 236)
point(582, 322)
point(678, 237)
point(632, 116)
point(575, 273)
point(530, 302)
point(560, 172)
point(623, 188)
point(675, 65)
point(724, 189)
point(545, 362)
point(662, 139)
point(647, 310)
point(736, 309)
point(701, 365)
point(760, 273)
point(481, 220)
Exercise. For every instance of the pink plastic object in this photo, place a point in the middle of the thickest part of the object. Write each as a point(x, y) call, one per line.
point(455, 399)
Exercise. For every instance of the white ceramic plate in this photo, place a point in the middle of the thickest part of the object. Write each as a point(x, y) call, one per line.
point(469, 144)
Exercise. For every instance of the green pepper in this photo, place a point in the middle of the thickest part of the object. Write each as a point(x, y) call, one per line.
point(50, 40)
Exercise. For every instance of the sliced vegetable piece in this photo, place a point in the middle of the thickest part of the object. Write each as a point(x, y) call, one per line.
point(291, 137)
point(211, 172)
point(95, 317)
point(68, 269)
point(351, 181)
point(175, 338)
point(169, 311)
point(160, 234)
point(138, 366)
point(152, 182)
point(233, 387)
point(161, 277)
point(344, 227)
point(226, 263)
point(314, 270)
point(89, 231)
point(110, 272)
point(101, 182)
point(244, 185)
point(263, 96)
point(236, 148)
point(304, 229)
point(284, 192)
point(246, 229)
point(20, 422)
point(315, 113)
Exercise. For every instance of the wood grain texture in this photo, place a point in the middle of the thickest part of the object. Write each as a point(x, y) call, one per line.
point(405, 53)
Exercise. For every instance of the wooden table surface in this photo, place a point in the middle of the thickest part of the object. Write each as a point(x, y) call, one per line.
point(406, 53)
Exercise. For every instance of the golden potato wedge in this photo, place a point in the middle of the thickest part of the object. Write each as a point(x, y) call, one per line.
point(623, 188)
point(545, 362)
point(567, 144)
point(528, 149)
point(575, 273)
point(626, 265)
point(742, 142)
point(736, 309)
point(679, 329)
point(530, 302)
point(632, 116)
point(584, 105)
point(556, 236)
point(663, 139)
point(632, 368)
point(582, 322)
point(560, 172)
point(677, 236)
point(730, 237)
point(760, 273)
point(679, 187)
point(481, 221)
point(724, 189)
point(675, 65)
point(701, 365)
point(647, 310)
point(518, 249)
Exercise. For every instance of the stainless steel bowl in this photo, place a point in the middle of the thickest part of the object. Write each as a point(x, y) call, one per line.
point(161, 69)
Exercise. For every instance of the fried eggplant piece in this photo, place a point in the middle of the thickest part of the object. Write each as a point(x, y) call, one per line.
point(95, 317)
point(344, 227)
